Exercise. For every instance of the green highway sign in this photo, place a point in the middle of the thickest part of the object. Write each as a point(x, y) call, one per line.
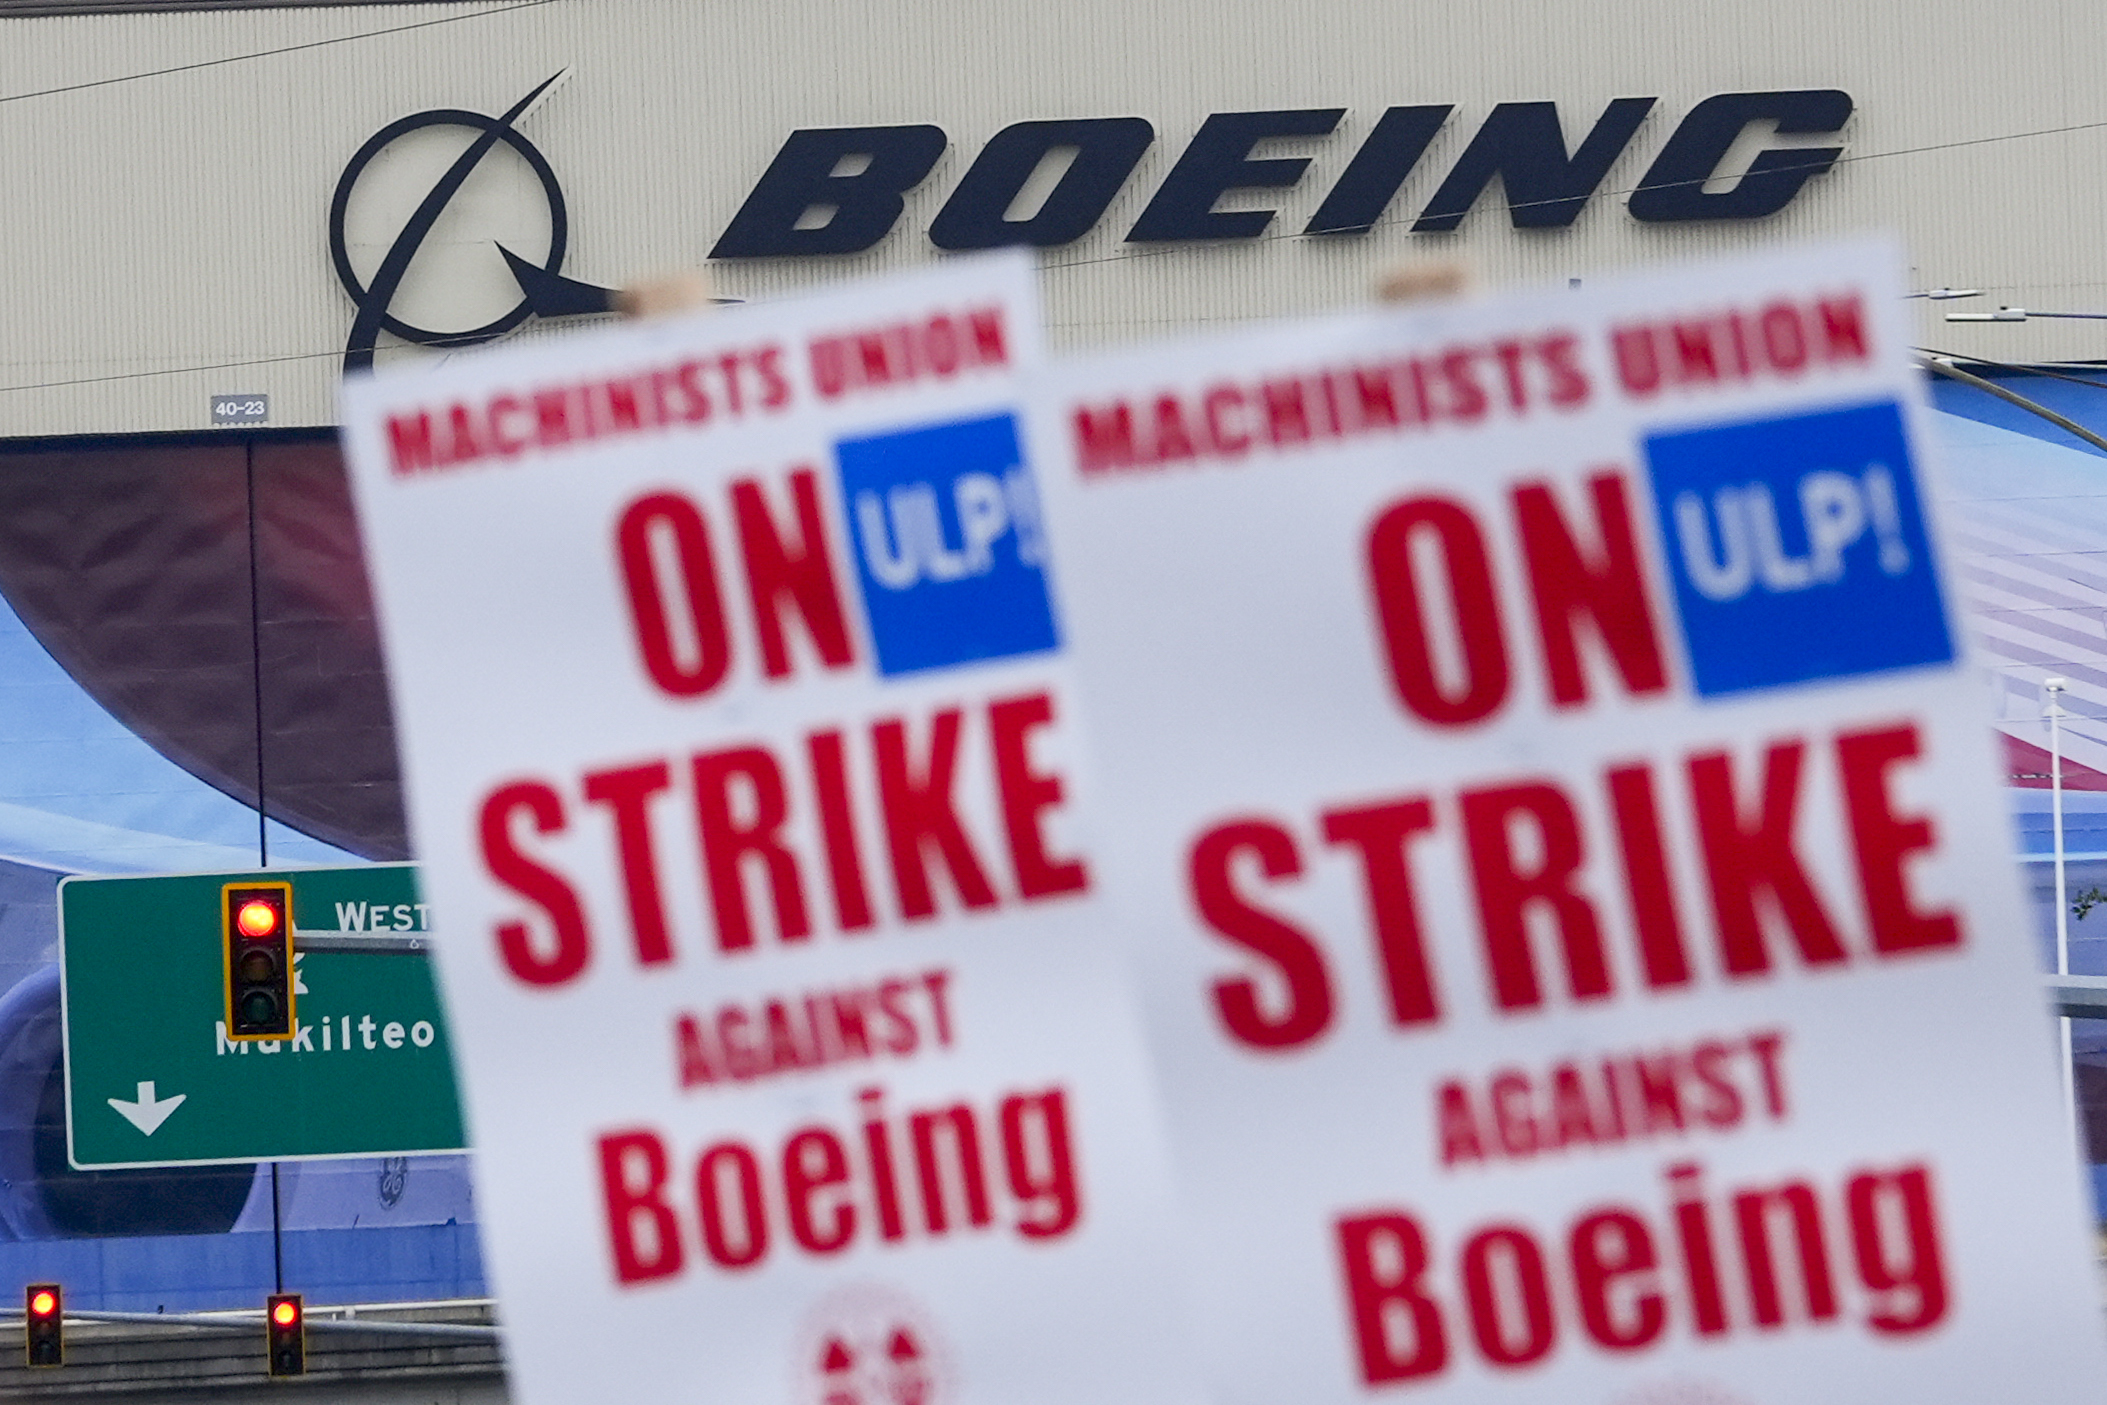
point(152, 1078)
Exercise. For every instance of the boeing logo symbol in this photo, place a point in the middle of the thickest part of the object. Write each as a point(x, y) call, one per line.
point(543, 290)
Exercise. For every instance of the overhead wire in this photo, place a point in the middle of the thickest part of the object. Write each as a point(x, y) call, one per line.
point(253, 54)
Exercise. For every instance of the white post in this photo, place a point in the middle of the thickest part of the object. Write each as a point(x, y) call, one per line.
point(2054, 687)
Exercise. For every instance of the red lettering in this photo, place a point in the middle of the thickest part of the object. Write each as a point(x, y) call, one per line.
point(1287, 412)
point(1104, 437)
point(728, 838)
point(1784, 343)
point(627, 795)
point(1506, 890)
point(696, 1064)
point(1607, 585)
point(1884, 840)
point(1509, 355)
point(1401, 608)
point(1506, 1257)
point(623, 412)
point(1467, 403)
point(1693, 351)
point(734, 1217)
point(1909, 1277)
point(633, 1169)
point(464, 444)
point(1693, 1224)
point(919, 810)
point(837, 830)
point(693, 598)
point(1572, 1118)
point(1744, 858)
point(1752, 1215)
point(1610, 1247)
point(1569, 383)
point(1227, 436)
point(1638, 364)
point(775, 386)
point(1374, 398)
point(990, 347)
point(1511, 1115)
point(410, 444)
point(1169, 437)
point(1384, 1259)
point(801, 571)
point(925, 1129)
point(1026, 795)
point(1618, 1273)
point(814, 1161)
point(878, 1144)
point(1843, 328)
point(1289, 952)
point(1660, 1091)
point(830, 372)
point(502, 409)
point(534, 962)
point(940, 348)
point(1460, 1138)
point(552, 417)
point(1041, 1176)
point(1647, 881)
point(1722, 1104)
point(1379, 834)
point(1766, 1046)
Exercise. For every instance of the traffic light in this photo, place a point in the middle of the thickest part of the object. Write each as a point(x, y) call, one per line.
point(258, 920)
point(43, 1324)
point(285, 1328)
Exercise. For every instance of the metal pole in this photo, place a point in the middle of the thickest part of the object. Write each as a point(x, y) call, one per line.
point(263, 821)
point(277, 1237)
point(2054, 688)
point(246, 1322)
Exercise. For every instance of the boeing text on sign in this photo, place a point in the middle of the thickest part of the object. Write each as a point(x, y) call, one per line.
point(1555, 821)
point(742, 756)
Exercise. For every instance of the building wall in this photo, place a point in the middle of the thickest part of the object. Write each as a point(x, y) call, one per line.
point(166, 239)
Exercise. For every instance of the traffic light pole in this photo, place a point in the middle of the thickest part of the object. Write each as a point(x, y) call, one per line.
point(263, 821)
point(277, 1238)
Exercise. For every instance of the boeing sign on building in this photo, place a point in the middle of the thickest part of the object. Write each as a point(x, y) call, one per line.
point(839, 190)
point(1045, 184)
point(422, 189)
point(543, 289)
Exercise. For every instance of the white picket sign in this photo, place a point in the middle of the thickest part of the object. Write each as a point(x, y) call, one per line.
point(1554, 818)
point(743, 768)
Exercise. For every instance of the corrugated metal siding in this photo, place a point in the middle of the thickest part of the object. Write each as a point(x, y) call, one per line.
point(154, 227)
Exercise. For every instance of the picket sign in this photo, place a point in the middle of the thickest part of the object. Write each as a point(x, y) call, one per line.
point(742, 763)
point(1546, 795)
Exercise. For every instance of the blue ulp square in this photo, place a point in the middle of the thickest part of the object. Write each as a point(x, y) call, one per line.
point(1798, 549)
point(949, 548)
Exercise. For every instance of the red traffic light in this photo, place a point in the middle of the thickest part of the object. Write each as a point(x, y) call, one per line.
point(44, 1325)
point(258, 918)
point(285, 1335)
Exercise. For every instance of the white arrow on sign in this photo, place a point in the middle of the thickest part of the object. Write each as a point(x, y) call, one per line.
point(146, 1114)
